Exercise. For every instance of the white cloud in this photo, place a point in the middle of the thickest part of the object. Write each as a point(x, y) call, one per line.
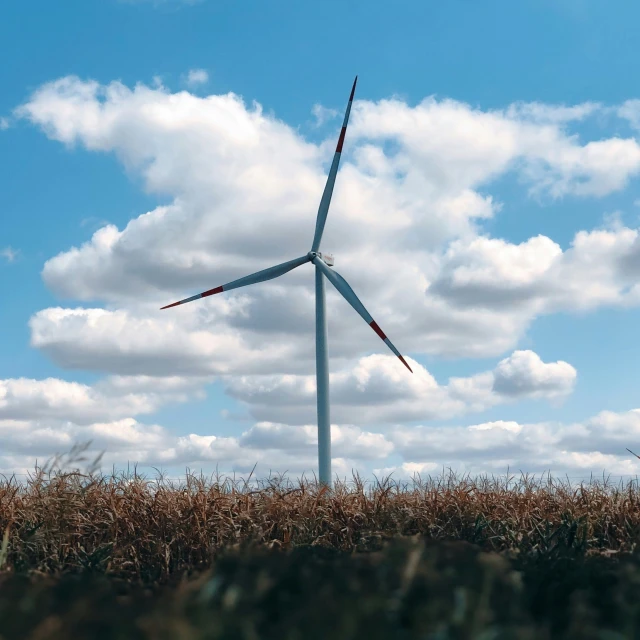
point(24, 440)
point(346, 441)
point(122, 343)
point(630, 111)
point(556, 114)
point(600, 268)
point(273, 447)
point(449, 141)
point(577, 449)
point(4, 123)
point(197, 77)
point(523, 374)
point(9, 254)
point(241, 179)
point(111, 399)
point(379, 391)
point(405, 224)
point(323, 114)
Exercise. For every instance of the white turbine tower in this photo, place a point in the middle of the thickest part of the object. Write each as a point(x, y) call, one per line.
point(323, 264)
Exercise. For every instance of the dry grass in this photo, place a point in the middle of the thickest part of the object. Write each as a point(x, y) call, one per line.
point(151, 530)
point(88, 555)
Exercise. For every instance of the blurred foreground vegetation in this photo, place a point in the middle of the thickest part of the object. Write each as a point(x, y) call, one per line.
point(88, 555)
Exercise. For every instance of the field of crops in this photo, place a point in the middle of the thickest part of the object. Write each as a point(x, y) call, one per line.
point(85, 555)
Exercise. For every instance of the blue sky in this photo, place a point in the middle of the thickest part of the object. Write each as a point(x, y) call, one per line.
point(288, 57)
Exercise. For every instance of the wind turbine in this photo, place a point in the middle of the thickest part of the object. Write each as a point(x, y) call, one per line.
point(323, 264)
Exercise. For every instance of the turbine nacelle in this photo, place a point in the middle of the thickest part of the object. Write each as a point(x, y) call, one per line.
point(327, 258)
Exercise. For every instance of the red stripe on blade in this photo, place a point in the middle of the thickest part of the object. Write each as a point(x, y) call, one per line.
point(341, 140)
point(374, 325)
point(173, 304)
point(212, 292)
point(404, 362)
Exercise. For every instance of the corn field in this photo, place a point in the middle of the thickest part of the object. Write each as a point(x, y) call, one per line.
point(442, 557)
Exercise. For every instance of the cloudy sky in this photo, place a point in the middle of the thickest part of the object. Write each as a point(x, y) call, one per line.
point(487, 213)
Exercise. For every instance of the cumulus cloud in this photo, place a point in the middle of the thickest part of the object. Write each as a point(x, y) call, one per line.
point(600, 268)
point(524, 374)
point(347, 441)
point(242, 182)
point(273, 447)
point(577, 449)
point(197, 77)
point(406, 224)
point(122, 343)
point(200, 148)
point(465, 146)
point(378, 391)
point(112, 398)
point(630, 111)
point(596, 445)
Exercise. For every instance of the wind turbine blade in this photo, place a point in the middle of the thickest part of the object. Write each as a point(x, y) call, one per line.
point(260, 276)
point(323, 210)
point(349, 295)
